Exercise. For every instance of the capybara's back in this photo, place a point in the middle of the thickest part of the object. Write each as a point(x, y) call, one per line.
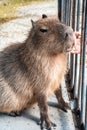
point(31, 71)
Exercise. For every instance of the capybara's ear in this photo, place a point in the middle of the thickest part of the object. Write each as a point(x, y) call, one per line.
point(44, 16)
point(33, 23)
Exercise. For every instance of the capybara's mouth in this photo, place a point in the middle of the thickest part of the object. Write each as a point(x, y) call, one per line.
point(69, 49)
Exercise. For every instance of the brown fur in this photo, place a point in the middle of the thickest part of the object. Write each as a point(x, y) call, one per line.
point(31, 71)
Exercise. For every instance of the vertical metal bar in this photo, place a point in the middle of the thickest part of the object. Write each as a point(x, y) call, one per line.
point(74, 14)
point(59, 9)
point(67, 12)
point(72, 55)
point(68, 23)
point(75, 65)
point(71, 12)
point(62, 10)
point(77, 56)
point(80, 71)
point(83, 54)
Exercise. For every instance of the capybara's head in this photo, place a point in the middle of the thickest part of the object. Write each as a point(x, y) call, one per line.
point(52, 36)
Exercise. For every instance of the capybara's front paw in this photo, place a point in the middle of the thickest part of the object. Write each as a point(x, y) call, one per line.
point(64, 106)
point(14, 114)
point(46, 125)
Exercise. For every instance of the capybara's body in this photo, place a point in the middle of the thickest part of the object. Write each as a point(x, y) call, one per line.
point(31, 71)
point(24, 75)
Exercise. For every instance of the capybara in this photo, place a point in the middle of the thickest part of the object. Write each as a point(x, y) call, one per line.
point(33, 70)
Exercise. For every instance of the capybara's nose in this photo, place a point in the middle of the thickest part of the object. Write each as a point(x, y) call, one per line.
point(66, 35)
point(70, 36)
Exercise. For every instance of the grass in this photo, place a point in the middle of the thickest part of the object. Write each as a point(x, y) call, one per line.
point(7, 8)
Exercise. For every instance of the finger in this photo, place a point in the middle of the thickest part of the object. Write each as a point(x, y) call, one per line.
point(76, 49)
point(77, 33)
point(75, 52)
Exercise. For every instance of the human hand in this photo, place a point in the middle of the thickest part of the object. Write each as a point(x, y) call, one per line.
point(76, 47)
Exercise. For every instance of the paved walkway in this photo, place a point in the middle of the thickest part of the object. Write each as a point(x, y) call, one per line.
point(16, 31)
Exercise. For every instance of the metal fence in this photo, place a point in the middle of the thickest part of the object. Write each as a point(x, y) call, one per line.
point(74, 14)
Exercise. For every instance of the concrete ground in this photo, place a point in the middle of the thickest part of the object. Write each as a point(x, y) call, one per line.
point(16, 31)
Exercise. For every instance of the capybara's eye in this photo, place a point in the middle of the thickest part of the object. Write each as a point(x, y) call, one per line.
point(66, 35)
point(43, 30)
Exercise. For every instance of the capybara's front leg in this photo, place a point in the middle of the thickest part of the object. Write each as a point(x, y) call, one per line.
point(45, 121)
point(62, 104)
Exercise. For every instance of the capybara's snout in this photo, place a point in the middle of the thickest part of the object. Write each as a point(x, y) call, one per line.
point(70, 38)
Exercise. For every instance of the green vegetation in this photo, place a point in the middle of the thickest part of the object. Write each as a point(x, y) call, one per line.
point(7, 8)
